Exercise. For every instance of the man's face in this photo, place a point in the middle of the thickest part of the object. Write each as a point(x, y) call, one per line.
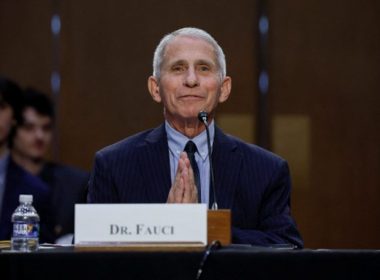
point(6, 122)
point(190, 80)
point(33, 137)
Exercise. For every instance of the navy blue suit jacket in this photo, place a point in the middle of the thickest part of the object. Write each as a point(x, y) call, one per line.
point(19, 181)
point(68, 185)
point(252, 182)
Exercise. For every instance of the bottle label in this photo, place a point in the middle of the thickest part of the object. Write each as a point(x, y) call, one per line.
point(24, 230)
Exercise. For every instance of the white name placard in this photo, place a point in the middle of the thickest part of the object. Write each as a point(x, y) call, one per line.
point(140, 223)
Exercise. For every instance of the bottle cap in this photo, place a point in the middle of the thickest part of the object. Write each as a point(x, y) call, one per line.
point(26, 198)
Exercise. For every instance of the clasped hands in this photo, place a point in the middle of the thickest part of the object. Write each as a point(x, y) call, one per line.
point(183, 189)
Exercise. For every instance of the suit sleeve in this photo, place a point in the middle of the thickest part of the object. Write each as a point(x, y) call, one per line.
point(101, 187)
point(275, 226)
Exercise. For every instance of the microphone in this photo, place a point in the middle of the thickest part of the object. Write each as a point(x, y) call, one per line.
point(203, 118)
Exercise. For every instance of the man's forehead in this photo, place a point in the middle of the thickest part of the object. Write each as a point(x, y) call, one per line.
point(182, 41)
point(199, 61)
point(30, 115)
point(179, 47)
point(188, 38)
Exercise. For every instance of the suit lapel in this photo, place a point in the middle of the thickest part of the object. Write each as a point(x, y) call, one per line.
point(227, 164)
point(155, 164)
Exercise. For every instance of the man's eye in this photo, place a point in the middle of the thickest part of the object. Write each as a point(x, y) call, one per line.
point(204, 68)
point(28, 127)
point(177, 68)
point(47, 128)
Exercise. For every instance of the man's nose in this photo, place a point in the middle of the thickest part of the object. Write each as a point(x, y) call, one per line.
point(191, 78)
point(39, 132)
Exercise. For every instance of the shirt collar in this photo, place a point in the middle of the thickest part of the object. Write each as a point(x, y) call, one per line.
point(177, 140)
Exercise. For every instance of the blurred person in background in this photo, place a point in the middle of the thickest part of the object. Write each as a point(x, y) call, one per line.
point(15, 180)
point(30, 146)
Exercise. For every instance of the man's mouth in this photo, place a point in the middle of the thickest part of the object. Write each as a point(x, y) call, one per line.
point(191, 97)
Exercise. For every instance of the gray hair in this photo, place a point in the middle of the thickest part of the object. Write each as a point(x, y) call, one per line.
point(158, 57)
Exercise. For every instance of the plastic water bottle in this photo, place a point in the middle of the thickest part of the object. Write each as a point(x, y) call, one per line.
point(25, 226)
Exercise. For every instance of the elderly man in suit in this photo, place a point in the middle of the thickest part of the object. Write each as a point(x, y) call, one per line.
point(189, 76)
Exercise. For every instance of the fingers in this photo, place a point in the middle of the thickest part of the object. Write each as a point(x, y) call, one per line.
point(186, 160)
point(183, 189)
point(177, 190)
point(190, 189)
point(187, 194)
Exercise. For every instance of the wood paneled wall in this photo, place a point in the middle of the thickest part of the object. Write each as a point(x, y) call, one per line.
point(325, 67)
point(25, 42)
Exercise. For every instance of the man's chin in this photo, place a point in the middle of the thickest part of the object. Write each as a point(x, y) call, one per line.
point(36, 158)
point(191, 114)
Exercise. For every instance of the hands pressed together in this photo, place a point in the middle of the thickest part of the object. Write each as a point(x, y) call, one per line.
point(183, 189)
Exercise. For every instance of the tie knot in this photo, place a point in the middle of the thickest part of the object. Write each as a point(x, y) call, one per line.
point(190, 147)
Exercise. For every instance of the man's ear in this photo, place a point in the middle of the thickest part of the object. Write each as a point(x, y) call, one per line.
point(154, 89)
point(225, 89)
